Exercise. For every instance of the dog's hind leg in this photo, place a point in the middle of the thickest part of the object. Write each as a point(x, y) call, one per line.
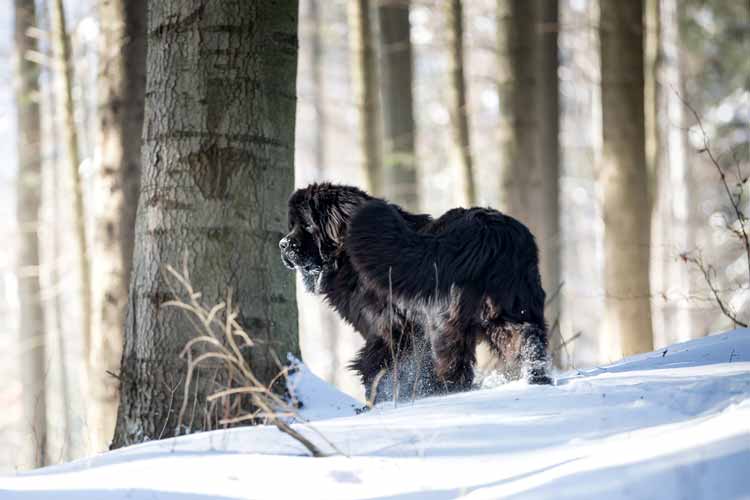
point(453, 339)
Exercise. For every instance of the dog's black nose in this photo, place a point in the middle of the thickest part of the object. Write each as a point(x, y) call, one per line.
point(284, 243)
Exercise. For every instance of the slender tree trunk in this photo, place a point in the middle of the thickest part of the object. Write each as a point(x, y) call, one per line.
point(458, 107)
point(31, 328)
point(218, 166)
point(318, 85)
point(53, 308)
point(399, 156)
point(63, 65)
point(674, 177)
point(529, 128)
point(365, 84)
point(624, 180)
point(122, 79)
point(652, 94)
point(328, 325)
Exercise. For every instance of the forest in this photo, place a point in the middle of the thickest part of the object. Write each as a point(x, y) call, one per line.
point(152, 147)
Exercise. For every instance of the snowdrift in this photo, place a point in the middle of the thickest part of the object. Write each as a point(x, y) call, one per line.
point(674, 423)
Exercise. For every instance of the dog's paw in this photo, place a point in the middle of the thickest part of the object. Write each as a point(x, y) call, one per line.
point(539, 379)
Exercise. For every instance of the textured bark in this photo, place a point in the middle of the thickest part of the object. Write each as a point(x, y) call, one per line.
point(31, 328)
point(399, 155)
point(218, 166)
point(65, 107)
point(365, 84)
point(458, 110)
point(122, 79)
point(624, 179)
point(529, 126)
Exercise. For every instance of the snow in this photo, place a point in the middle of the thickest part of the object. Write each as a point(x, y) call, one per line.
point(674, 423)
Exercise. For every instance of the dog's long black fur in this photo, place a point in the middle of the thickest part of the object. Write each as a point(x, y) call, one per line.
point(421, 291)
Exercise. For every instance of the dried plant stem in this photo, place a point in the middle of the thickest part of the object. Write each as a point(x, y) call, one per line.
point(218, 332)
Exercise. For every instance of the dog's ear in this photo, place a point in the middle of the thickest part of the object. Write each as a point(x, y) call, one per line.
point(336, 212)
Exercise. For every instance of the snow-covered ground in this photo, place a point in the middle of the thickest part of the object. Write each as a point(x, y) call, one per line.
point(670, 424)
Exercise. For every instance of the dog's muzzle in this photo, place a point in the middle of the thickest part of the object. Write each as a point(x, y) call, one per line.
point(289, 253)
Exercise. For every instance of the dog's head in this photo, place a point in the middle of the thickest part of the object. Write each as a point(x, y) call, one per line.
point(319, 216)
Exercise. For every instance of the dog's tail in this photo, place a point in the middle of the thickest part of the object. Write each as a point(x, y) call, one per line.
point(470, 247)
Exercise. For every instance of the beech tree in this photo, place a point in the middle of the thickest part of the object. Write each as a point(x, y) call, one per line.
point(29, 183)
point(399, 155)
point(364, 76)
point(218, 167)
point(624, 179)
point(457, 105)
point(65, 109)
point(530, 126)
point(121, 81)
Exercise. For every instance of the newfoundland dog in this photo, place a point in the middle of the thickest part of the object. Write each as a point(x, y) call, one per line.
point(422, 292)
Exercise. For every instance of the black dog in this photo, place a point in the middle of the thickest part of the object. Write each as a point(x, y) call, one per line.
point(422, 292)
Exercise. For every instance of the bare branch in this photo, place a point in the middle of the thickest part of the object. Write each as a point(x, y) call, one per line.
point(709, 274)
point(734, 200)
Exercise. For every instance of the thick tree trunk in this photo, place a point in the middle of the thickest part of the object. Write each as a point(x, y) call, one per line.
point(529, 127)
point(399, 156)
point(365, 84)
point(458, 108)
point(624, 180)
point(31, 328)
point(65, 107)
point(218, 166)
point(122, 79)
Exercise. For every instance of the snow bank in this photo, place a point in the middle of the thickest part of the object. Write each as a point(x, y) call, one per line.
point(674, 423)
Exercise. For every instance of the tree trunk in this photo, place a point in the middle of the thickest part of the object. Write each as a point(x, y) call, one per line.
point(31, 328)
point(399, 155)
point(218, 166)
point(122, 78)
point(458, 108)
point(624, 180)
point(328, 324)
point(365, 84)
point(315, 25)
point(52, 177)
point(65, 107)
point(529, 127)
point(671, 179)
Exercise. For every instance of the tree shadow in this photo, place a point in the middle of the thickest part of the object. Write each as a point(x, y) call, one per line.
point(99, 494)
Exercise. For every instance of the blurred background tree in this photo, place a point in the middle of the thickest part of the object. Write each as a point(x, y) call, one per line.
point(541, 122)
point(121, 85)
point(29, 193)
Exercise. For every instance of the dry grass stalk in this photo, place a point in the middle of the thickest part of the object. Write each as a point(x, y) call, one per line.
point(221, 339)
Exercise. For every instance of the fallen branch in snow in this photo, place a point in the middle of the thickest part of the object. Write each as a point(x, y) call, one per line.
point(218, 334)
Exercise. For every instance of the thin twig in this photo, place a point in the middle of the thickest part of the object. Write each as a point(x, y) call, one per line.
point(735, 202)
point(708, 272)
